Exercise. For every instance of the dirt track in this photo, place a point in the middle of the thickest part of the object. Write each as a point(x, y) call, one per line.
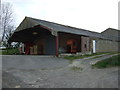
point(52, 72)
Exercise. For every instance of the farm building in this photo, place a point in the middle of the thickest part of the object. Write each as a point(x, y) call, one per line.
point(47, 38)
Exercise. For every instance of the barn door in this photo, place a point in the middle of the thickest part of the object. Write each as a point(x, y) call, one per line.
point(41, 47)
point(94, 46)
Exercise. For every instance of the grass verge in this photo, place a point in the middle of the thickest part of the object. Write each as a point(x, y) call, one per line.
point(73, 57)
point(0, 52)
point(96, 57)
point(10, 51)
point(109, 62)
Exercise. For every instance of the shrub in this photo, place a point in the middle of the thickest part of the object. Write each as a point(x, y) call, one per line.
point(10, 51)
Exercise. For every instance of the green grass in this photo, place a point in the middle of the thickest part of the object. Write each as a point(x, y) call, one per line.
point(0, 52)
point(110, 53)
point(96, 57)
point(72, 57)
point(109, 62)
point(10, 51)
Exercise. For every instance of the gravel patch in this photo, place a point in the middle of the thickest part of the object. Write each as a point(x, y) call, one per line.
point(53, 72)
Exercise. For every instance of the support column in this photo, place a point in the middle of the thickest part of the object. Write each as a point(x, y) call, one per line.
point(57, 45)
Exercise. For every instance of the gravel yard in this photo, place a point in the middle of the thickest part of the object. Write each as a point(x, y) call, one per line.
point(52, 72)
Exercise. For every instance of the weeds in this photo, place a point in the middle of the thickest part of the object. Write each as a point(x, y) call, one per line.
point(75, 68)
point(109, 62)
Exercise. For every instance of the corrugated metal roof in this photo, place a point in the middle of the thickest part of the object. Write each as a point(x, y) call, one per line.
point(112, 33)
point(31, 22)
point(68, 29)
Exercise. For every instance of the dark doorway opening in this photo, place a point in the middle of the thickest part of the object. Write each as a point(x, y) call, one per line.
point(71, 46)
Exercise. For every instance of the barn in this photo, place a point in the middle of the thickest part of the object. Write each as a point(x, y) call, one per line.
point(47, 38)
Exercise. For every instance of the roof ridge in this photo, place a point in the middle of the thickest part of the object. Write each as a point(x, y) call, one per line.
point(65, 25)
point(111, 29)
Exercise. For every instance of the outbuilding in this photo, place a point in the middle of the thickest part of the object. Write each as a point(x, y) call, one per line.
point(47, 38)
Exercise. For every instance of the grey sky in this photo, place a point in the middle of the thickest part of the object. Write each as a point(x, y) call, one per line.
point(94, 15)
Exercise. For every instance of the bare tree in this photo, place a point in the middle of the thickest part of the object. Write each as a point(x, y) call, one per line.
point(7, 20)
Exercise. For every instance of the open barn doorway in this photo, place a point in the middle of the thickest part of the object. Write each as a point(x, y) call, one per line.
point(71, 46)
point(41, 47)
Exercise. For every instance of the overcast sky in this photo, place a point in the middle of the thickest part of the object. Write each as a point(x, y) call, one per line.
point(94, 15)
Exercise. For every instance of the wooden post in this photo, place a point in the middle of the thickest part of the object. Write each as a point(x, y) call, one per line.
point(57, 45)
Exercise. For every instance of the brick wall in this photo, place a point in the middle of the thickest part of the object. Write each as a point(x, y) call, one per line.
point(85, 44)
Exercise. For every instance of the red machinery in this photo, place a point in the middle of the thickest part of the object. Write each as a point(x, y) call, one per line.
point(27, 48)
point(71, 46)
